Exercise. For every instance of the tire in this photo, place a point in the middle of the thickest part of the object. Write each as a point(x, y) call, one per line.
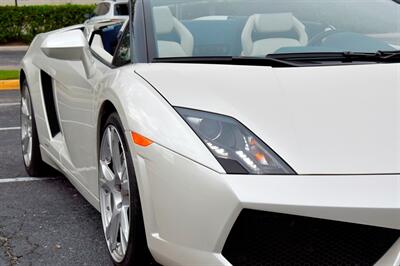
point(32, 158)
point(135, 251)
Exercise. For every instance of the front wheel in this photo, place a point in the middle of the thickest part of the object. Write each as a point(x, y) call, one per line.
point(120, 206)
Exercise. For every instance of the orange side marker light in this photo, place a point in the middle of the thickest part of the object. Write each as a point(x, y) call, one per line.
point(141, 140)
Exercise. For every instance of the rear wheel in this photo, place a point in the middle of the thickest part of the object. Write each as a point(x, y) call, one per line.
point(120, 206)
point(29, 137)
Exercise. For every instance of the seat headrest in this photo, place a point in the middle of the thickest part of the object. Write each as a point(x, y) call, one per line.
point(163, 19)
point(274, 22)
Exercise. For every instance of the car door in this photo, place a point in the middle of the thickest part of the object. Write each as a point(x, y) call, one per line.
point(74, 93)
point(76, 105)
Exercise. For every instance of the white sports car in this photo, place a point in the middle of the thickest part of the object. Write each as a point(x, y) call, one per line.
point(219, 132)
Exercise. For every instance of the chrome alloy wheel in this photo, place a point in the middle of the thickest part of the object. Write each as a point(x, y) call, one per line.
point(26, 126)
point(114, 193)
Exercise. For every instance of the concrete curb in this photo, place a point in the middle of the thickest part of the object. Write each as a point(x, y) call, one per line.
point(12, 84)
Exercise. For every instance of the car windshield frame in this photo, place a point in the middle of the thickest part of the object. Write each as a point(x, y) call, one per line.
point(151, 39)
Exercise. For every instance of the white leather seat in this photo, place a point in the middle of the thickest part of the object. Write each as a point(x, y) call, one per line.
point(98, 47)
point(271, 23)
point(166, 23)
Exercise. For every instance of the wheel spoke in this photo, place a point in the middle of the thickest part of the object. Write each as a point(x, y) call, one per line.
point(124, 240)
point(28, 102)
point(124, 228)
point(108, 185)
point(125, 186)
point(105, 201)
point(113, 228)
point(24, 107)
point(125, 195)
point(116, 155)
point(25, 140)
point(124, 220)
point(124, 172)
point(107, 172)
point(29, 148)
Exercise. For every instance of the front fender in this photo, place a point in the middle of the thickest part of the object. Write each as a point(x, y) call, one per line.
point(143, 110)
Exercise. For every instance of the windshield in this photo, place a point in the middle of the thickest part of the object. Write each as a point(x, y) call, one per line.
point(256, 28)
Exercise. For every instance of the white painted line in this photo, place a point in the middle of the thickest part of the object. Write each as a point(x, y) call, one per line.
point(9, 128)
point(24, 179)
point(8, 104)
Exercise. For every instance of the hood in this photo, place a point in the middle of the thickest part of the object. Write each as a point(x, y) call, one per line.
point(320, 120)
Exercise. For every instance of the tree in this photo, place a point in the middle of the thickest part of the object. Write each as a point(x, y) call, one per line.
point(16, 2)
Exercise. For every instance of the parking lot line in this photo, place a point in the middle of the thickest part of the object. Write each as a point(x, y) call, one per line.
point(8, 104)
point(24, 179)
point(9, 128)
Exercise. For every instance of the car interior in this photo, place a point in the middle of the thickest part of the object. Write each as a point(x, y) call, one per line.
point(270, 24)
point(105, 38)
point(257, 35)
point(254, 35)
point(181, 44)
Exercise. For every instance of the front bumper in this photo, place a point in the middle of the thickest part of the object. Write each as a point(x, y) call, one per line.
point(189, 209)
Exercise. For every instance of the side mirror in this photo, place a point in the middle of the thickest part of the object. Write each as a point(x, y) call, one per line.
point(69, 45)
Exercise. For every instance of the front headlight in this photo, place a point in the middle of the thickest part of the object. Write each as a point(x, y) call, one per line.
point(235, 147)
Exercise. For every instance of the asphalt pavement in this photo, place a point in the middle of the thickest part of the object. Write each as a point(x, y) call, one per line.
point(11, 56)
point(45, 221)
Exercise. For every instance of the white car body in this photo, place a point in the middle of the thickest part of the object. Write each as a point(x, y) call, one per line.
point(337, 126)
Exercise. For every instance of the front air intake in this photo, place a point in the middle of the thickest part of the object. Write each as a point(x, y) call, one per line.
point(265, 238)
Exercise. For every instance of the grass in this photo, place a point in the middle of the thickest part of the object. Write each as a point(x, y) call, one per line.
point(9, 74)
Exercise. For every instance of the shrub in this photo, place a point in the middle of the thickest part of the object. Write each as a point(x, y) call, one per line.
point(21, 24)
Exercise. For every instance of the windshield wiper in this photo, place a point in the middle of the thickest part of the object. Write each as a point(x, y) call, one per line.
point(229, 60)
point(344, 57)
point(389, 55)
point(290, 59)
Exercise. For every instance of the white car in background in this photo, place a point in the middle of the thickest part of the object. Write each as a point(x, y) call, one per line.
point(110, 9)
point(219, 132)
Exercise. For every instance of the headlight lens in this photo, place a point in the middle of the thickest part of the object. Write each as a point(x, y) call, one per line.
point(236, 148)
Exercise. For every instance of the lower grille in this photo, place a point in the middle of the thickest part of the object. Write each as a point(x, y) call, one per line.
point(264, 238)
